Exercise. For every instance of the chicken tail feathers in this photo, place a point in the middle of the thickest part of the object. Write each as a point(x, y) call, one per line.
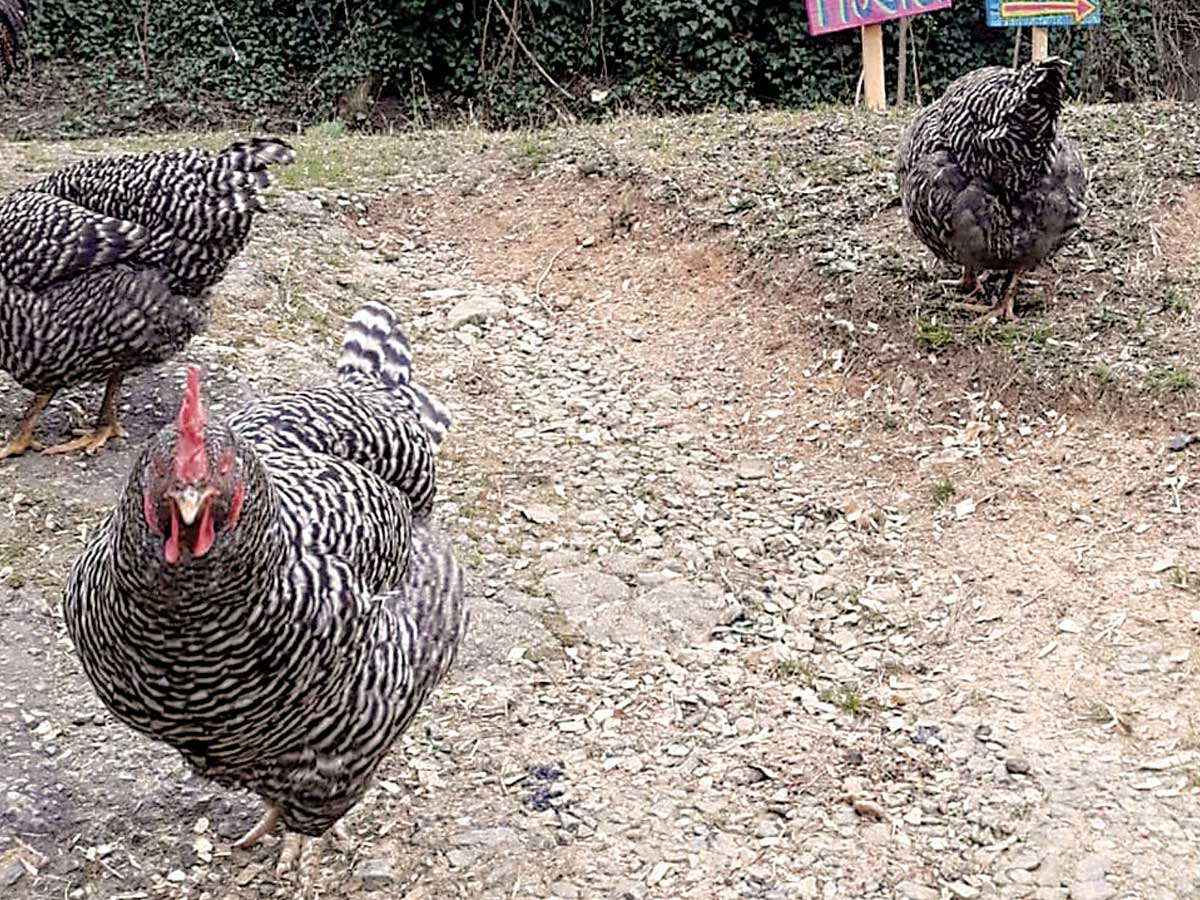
point(376, 346)
point(258, 153)
point(241, 173)
point(1046, 84)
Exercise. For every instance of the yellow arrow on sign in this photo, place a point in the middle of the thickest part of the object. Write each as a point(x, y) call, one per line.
point(1032, 9)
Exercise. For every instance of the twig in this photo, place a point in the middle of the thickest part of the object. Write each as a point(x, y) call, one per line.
point(237, 57)
point(916, 69)
point(537, 288)
point(902, 62)
point(533, 59)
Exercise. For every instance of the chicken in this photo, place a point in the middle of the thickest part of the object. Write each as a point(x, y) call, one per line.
point(106, 266)
point(12, 28)
point(269, 596)
point(986, 180)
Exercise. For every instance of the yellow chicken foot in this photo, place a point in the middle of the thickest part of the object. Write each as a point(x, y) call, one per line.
point(264, 826)
point(24, 440)
point(107, 426)
point(293, 846)
point(296, 847)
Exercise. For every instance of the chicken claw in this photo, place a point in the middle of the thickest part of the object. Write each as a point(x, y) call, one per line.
point(89, 443)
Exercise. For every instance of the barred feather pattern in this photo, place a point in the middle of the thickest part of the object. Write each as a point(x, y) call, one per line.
point(105, 266)
point(12, 31)
point(985, 178)
point(291, 657)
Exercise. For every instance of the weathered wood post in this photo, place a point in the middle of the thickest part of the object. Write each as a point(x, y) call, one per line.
point(868, 16)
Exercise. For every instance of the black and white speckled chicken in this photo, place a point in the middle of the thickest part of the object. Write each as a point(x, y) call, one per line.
point(12, 28)
point(269, 596)
point(986, 180)
point(106, 266)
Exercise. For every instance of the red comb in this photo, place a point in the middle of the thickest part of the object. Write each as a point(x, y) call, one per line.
point(191, 456)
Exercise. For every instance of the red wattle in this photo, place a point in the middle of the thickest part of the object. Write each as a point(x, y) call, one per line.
point(171, 547)
point(150, 512)
point(206, 536)
point(235, 505)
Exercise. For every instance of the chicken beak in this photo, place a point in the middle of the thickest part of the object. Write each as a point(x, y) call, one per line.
point(188, 502)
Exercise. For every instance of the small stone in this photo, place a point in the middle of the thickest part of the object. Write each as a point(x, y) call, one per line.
point(1049, 873)
point(869, 809)
point(877, 834)
point(375, 873)
point(484, 837)
point(963, 890)
point(1092, 890)
point(1180, 441)
point(1093, 867)
point(745, 775)
point(11, 874)
point(540, 514)
point(752, 469)
point(915, 891)
point(565, 890)
point(658, 873)
point(1016, 765)
point(176, 875)
point(475, 309)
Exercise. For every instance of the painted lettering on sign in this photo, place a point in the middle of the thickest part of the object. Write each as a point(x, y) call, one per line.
point(835, 15)
point(1042, 13)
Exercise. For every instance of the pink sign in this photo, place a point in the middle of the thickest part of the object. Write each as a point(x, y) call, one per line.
point(834, 15)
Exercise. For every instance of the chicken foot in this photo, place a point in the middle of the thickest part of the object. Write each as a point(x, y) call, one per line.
point(107, 426)
point(24, 440)
point(968, 284)
point(1004, 308)
point(292, 846)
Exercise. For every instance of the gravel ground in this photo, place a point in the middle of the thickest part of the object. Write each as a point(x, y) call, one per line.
point(787, 583)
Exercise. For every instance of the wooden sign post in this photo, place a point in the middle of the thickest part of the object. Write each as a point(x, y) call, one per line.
point(868, 16)
point(1041, 15)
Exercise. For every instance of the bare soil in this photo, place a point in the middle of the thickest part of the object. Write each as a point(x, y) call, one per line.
point(788, 581)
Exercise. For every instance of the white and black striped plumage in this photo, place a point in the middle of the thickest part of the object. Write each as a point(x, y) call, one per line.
point(311, 606)
point(985, 179)
point(106, 265)
point(12, 30)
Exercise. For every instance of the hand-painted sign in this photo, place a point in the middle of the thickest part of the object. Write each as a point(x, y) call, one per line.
point(834, 15)
point(1042, 13)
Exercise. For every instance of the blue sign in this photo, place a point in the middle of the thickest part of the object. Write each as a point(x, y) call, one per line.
point(1042, 13)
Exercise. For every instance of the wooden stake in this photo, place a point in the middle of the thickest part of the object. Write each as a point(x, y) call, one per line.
point(872, 41)
point(1041, 44)
point(902, 63)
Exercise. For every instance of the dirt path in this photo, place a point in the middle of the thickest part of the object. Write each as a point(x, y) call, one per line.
point(766, 606)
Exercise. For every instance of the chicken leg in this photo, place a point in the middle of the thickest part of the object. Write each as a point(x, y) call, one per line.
point(292, 845)
point(1004, 309)
point(968, 284)
point(107, 426)
point(24, 440)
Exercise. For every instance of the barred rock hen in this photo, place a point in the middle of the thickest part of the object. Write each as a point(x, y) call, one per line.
point(12, 27)
point(986, 180)
point(269, 596)
point(106, 266)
